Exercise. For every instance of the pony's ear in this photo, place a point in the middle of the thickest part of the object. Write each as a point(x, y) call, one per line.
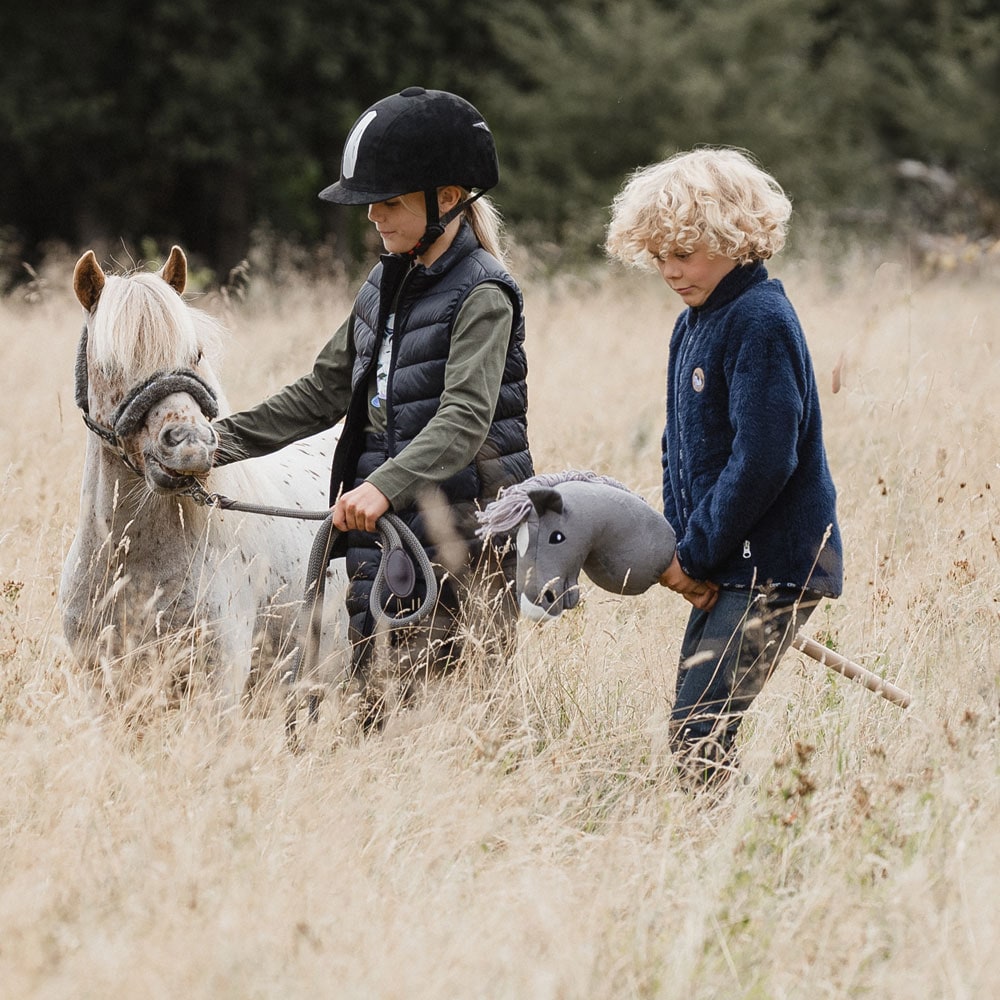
point(175, 271)
point(546, 499)
point(88, 280)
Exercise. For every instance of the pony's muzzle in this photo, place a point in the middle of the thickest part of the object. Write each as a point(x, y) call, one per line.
point(174, 436)
point(186, 447)
point(183, 447)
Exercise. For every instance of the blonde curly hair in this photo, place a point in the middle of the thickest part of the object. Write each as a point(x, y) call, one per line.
point(715, 197)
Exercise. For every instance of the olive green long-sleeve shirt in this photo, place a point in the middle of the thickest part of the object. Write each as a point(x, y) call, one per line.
point(448, 442)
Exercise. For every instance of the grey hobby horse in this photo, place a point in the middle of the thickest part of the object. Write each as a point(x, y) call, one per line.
point(571, 521)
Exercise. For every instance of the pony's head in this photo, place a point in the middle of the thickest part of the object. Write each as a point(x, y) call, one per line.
point(143, 378)
point(567, 522)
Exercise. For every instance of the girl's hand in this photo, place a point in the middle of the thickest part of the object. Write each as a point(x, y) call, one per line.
point(700, 593)
point(359, 509)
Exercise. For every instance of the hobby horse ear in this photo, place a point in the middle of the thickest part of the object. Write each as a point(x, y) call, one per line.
point(546, 499)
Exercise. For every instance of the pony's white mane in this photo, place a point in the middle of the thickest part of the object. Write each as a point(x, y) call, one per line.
point(141, 326)
point(513, 504)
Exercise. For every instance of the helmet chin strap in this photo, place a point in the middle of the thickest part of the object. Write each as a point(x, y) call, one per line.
point(437, 223)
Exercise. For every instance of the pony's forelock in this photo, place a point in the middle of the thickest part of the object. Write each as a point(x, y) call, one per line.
point(141, 326)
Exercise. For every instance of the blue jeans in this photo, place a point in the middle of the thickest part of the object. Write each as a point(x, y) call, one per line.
point(726, 656)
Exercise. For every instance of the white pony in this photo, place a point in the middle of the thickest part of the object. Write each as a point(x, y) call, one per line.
point(157, 589)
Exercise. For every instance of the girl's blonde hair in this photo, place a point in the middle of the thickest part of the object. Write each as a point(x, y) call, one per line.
point(718, 198)
point(487, 226)
point(483, 216)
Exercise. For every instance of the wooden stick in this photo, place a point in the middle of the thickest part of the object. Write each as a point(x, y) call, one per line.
point(851, 669)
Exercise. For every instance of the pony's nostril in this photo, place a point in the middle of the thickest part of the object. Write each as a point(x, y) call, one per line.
point(172, 436)
point(549, 597)
point(175, 436)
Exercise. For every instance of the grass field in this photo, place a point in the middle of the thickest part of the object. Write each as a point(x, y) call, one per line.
point(524, 835)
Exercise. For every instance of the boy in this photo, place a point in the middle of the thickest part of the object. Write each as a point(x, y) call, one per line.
point(746, 484)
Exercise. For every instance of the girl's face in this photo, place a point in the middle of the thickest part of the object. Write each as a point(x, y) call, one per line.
point(694, 274)
point(400, 221)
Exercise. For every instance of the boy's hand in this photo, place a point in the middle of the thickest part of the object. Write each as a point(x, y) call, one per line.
point(360, 508)
point(699, 593)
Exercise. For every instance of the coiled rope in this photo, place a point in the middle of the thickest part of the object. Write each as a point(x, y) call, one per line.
point(400, 546)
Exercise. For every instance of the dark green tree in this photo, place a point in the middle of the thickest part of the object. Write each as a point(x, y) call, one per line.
point(209, 122)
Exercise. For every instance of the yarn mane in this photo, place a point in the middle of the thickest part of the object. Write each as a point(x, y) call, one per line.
point(513, 504)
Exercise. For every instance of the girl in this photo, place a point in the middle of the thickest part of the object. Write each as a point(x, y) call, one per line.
point(428, 371)
point(746, 484)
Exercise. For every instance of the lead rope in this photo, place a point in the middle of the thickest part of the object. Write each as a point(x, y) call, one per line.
point(394, 534)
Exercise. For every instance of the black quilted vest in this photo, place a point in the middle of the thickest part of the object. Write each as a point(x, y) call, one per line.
point(425, 302)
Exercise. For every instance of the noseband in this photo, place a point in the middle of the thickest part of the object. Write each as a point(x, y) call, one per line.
point(131, 413)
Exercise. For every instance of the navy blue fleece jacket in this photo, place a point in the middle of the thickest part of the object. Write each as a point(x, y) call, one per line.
point(746, 484)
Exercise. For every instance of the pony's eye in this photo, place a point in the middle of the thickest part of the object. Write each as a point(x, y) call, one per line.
point(556, 537)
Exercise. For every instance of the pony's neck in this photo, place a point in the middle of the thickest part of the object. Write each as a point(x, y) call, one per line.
point(116, 502)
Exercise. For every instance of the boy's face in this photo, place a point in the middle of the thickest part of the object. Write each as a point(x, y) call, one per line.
point(692, 275)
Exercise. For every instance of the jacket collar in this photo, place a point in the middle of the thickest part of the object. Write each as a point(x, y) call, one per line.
point(462, 245)
point(734, 284)
point(399, 264)
point(393, 269)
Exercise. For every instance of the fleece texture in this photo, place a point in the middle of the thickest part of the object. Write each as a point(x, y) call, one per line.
point(746, 483)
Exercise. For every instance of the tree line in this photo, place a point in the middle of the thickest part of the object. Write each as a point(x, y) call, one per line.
point(213, 123)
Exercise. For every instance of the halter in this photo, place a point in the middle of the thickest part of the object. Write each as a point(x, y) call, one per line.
point(131, 413)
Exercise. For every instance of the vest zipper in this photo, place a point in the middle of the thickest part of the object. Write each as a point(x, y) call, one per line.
point(397, 330)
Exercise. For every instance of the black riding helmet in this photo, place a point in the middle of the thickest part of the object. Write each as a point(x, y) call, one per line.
point(416, 140)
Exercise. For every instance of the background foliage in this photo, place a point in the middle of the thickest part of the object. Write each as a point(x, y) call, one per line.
point(210, 122)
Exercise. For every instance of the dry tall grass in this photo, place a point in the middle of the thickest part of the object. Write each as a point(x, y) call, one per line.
point(523, 835)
